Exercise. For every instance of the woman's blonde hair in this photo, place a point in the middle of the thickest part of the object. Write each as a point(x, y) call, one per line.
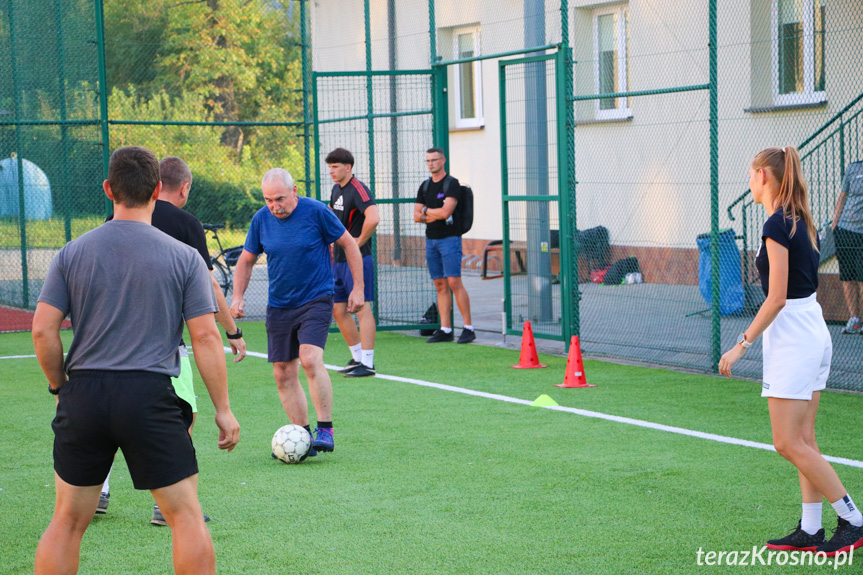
point(793, 196)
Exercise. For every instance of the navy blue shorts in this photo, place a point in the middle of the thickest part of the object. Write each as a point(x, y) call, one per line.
point(345, 281)
point(306, 324)
point(136, 411)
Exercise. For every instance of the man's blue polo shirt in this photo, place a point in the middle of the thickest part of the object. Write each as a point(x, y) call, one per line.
point(298, 251)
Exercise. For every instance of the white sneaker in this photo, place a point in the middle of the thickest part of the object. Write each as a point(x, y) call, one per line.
point(853, 326)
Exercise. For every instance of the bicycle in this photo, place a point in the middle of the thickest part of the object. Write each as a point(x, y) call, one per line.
point(224, 260)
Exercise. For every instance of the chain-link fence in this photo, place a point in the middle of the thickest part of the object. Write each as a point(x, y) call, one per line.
point(654, 108)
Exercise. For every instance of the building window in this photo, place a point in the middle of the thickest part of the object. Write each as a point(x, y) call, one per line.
point(798, 51)
point(468, 79)
point(610, 43)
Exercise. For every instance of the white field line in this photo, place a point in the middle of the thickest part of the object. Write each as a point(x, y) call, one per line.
point(574, 410)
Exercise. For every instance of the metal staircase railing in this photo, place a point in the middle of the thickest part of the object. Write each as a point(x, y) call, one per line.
point(824, 156)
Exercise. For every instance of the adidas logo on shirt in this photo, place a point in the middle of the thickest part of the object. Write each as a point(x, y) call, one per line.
point(339, 205)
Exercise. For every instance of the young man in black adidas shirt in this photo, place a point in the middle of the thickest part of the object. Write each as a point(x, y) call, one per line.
point(354, 205)
point(436, 201)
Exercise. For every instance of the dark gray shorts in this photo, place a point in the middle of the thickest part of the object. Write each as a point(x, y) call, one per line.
point(849, 252)
point(306, 324)
point(135, 411)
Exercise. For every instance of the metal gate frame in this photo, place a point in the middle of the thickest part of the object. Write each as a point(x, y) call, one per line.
point(568, 249)
point(440, 137)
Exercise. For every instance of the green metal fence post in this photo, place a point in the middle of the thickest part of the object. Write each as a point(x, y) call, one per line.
point(317, 134)
point(566, 243)
point(714, 187)
point(103, 96)
point(64, 138)
point(574, 293)
point(370, 106)
point(504, 165)
point(22, 202)
point(304, 48)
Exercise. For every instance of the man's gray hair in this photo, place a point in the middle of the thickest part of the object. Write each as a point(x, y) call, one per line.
point(281, 175)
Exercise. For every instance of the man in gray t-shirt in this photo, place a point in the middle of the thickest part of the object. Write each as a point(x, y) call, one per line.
point(127, 289)
point(848, 230)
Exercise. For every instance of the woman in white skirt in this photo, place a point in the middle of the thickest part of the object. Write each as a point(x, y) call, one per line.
point(797, 349)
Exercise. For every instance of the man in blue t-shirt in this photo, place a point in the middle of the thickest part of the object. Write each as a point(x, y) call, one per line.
point(296, 234)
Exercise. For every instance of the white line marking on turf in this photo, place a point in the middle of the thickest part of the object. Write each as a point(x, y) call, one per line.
point(593, 414)
point(574, 410)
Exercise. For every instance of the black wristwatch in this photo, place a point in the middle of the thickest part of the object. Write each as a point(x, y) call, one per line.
point(425, 210)
point(237, 335)
point(53, 390)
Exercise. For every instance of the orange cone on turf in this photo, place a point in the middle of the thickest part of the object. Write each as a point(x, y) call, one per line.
point(528, 358)
point(574, 367)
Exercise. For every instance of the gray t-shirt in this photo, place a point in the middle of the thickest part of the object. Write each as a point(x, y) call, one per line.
point(126, 287)
point(851, 218)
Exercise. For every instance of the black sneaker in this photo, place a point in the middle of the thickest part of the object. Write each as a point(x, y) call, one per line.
point(467, 336)
point(361, 370)
point(845, 537)
point(797, 540)
point(104, 501)
point(352, 365)
point(440, 336)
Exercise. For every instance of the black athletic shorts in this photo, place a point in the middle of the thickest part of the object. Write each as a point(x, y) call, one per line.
point(306, 324)
point(849, 252)
point(136, 411)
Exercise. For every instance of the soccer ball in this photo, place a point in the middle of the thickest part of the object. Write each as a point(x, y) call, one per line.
point(291, 443)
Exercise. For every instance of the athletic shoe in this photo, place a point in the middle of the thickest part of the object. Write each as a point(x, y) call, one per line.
point(467, 336)
point(361, 370)
point(845, 537)
point(853, 326)
point(104, 500)
point(797, 540)
point(159, 520)
point(324, 439)
point(440, 336)
point(352, 365)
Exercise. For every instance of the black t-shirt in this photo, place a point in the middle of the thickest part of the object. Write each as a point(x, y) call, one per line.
point(433, 197)
point(802, 257)
point(182, 226)
point(349, 204)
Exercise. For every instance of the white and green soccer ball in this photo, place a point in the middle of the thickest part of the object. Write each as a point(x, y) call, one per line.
point(291, 443)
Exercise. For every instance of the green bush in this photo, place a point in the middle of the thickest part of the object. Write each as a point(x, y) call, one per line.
point(215, 202)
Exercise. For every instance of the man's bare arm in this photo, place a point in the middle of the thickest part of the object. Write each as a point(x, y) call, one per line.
point(46, 340)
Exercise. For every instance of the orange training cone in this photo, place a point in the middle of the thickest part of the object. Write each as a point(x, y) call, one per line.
point(528, 358)
point(574, 367)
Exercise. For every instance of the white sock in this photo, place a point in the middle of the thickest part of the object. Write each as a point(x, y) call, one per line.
point(446, 329)
point(811, 521)
point(468, 327)
point(369, 358)
point(106, 487)
point(356, 351)
point(846, 509)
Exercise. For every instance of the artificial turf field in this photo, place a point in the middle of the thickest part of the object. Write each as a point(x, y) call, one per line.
point(427, 481)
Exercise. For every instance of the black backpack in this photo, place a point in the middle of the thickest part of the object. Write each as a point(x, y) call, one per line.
point(463, 214)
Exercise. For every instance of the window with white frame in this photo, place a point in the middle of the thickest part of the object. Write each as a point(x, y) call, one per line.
point(468, 79)
point(798, 51)
point(611, 69)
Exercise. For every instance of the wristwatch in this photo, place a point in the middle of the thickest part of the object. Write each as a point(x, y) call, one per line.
point(425, 210)
point(741, 339)
point(237, 335)
point(53, 390)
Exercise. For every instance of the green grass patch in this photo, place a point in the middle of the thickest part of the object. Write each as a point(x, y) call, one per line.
point(430, 481)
